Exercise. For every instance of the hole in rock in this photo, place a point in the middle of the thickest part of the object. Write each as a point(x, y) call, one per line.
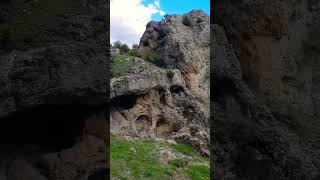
point(143, 123)
point(46, 128)
point(162, 98)
point(199, 20)
point(163, 128)
point(176, 89)
point(124, 102)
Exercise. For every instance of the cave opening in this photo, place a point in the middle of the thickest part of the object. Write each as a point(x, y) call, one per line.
point(176, 89)
point(47, 128)
point(124, 102)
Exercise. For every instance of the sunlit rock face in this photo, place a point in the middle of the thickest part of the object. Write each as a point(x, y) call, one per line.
point(182, 42)
point(166, 94)
point(147, 102)
point(265, 75)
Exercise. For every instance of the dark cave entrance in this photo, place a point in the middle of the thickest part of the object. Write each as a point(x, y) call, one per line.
point(48, 128)
point(124, 102)
point(176, 89)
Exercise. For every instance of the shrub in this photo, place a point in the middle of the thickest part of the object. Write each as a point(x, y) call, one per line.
point(147, 54)
point(134, 50)
point(186, 21)
point(120, 65)
point(170, 74)
point(124, 49)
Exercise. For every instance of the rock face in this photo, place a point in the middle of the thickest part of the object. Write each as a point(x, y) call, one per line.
point(148, 102)
point(167, 98)
point(265, 102)
point(53, 90)
point(181, 42)
point(114, 51)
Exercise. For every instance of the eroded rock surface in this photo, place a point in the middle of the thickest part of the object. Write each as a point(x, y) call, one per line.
point(146, 102)
point(181, 42)
point(169, 97)
point(265, 70)
point(53, 90)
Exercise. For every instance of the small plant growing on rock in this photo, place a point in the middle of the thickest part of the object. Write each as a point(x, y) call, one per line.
point(146, 54)
point(170, 74)
point(186, 21)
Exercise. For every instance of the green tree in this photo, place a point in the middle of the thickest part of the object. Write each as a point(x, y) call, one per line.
point(124, 49)
point(134, 50)
point(117, 44)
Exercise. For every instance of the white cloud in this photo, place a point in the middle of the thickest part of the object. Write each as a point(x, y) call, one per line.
point(128, 19)
point(157, 3)
point(162, 13)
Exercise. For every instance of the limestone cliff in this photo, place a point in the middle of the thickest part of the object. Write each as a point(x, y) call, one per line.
point(182, 42)
point(167, 97)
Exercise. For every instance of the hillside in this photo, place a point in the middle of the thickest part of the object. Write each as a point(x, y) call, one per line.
point(136, 158)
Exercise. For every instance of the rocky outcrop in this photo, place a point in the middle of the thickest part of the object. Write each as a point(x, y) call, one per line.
point(53, 90)
point(265, 115)
point(114, 51)
point(168, 96)
point(181, 42)
point(149, 102)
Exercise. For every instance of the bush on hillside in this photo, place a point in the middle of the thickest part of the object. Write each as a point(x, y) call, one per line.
point(124, 48)
point(148, 55)
point(120, 65)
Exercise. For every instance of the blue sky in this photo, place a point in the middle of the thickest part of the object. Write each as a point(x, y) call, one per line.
point(128, 18)
point(179, 6)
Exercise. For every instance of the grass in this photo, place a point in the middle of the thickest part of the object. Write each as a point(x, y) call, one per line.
point(184, 149)
point(198, 172)
point(120, 65)
point(176, 163)
point(144, 163)
point(140, 159)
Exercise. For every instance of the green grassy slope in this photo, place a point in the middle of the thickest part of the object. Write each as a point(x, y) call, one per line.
point(141, 159)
